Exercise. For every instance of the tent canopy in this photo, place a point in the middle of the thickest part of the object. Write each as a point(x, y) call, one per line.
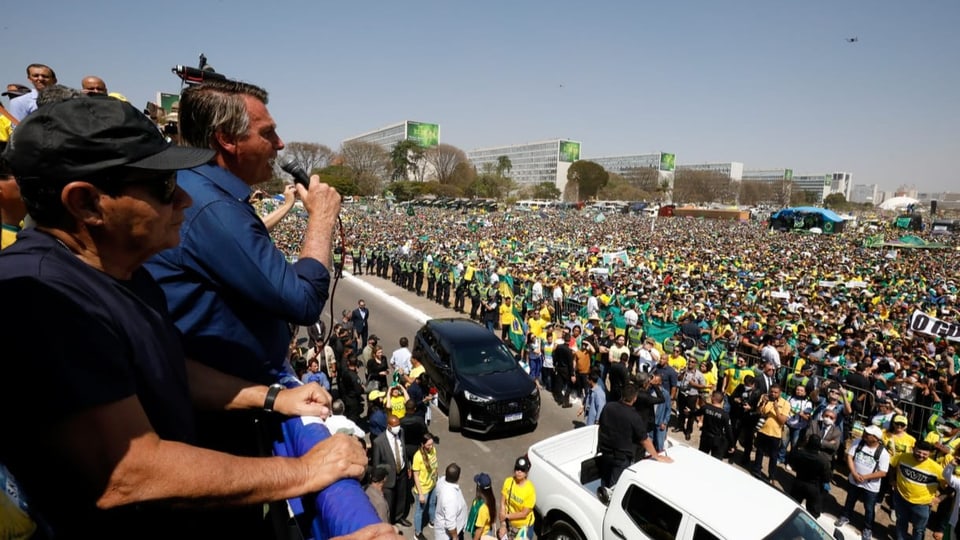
point(828, 215)
point(897, 202)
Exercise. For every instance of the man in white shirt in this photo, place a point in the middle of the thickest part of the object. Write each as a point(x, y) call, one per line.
point(868, 462)
point(769, 351)
point(451, 516)
point(338, 423)
point(400, 359)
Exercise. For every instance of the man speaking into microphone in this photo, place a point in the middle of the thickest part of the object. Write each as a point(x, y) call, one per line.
point(231, 292)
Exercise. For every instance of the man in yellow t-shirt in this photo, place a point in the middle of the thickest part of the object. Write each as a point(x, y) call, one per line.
point(775, 411)
point(918, 480)
point(518, 498)
point(506, 317)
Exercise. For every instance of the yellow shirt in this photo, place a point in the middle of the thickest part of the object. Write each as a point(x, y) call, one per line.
point(898, 444)
point(518, 497)
point(771, 427)
point(6, 128)
point(710, 378)
point(483, 520)
point(398, 406)
point(951, 443)
point(426, 470)
point(538, 327)
point(8, 236)
point(416, 372)
point(917, 482)
point(677, 362)
point(734, 377)
point(506, 314)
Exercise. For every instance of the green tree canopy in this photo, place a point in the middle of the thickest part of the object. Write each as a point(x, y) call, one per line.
point(339, 177)
point(545, 190)
point(835, 201)
point(405, 158)
point(589, 178)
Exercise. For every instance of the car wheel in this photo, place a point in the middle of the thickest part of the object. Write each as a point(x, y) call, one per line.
point(454, 415)
point(561, 530)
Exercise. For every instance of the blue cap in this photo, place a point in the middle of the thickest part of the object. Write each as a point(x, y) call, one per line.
point(482, 480)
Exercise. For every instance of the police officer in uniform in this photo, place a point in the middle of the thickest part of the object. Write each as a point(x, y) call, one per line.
point(716, 435)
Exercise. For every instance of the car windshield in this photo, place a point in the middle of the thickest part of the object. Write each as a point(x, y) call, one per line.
point(482, 359)
point(800, 525)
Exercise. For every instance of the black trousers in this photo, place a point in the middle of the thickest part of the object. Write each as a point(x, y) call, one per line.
point(811, 492)
point(611, 467)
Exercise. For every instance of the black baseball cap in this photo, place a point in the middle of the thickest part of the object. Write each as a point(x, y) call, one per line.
point(70, 139)
point(20, 90)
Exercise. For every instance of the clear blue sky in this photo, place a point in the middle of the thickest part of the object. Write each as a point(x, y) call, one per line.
point(767, 83)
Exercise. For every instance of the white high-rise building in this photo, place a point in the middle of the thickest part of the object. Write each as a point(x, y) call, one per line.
point(532, 163)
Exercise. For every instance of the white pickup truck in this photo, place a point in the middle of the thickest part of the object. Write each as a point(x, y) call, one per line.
point(697, 497)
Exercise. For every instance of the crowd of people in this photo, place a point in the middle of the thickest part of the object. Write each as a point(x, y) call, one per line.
point(769, 343)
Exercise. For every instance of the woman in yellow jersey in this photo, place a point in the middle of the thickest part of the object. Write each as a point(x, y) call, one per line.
point(518, 499)
point(483, 512)
point(425, 474)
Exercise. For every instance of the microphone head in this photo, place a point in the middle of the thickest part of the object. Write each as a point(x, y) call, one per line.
point(290, 166)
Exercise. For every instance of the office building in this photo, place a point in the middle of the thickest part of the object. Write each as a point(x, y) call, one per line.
point(532, 163)
point(633, 167)
point(865, 193)
point(424, 134)
point(731, 169)
point(815, 186)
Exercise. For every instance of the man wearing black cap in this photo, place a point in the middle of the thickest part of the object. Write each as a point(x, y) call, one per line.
point(114, 450)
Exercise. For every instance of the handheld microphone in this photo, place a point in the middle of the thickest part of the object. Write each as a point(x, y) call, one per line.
point(291, 167)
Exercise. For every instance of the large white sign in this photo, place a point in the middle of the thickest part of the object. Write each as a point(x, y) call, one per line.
point(925, 324)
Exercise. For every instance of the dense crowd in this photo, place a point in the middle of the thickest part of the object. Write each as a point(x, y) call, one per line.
point(814, 326)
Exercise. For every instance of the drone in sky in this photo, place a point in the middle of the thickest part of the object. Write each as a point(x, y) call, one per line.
point(853, 39)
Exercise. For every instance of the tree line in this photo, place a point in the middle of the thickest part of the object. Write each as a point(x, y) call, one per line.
point(408, 170)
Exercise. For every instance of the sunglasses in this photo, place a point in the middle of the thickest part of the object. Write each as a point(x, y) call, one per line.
point(161, 185)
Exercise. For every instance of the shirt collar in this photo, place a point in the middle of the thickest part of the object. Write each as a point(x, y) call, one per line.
point(225, 180)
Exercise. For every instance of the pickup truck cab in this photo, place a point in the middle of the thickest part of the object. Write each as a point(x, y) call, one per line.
point(697, 497)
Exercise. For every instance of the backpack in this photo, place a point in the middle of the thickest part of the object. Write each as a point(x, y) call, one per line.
point(876, 454)
point(472, 517)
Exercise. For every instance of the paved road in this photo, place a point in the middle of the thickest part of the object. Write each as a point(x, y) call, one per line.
point(396, 312)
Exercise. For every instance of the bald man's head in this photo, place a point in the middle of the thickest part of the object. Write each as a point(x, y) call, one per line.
point(93, 85)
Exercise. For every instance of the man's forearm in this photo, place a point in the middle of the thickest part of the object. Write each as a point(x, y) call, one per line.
point(318, 241)
point(211, 389)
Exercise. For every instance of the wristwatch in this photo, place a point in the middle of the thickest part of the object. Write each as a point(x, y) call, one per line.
point(271, 396)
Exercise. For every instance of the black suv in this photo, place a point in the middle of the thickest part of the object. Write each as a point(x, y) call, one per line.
point(479, 381)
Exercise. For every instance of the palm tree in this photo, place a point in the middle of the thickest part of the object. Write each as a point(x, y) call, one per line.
point(504, 166)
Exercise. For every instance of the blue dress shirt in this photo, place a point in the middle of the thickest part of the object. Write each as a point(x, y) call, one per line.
point(231, 292)
point(23, 105)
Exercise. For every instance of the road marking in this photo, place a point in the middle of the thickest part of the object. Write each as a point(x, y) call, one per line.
point(420, 316)
point(482, 446)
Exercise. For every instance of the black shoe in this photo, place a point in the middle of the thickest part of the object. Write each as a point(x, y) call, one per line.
point(567, 405)
point(404, 522)
point(686, 436)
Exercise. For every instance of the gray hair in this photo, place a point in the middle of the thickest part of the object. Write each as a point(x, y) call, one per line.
point(57, 93)
point(337, 407)
point(215, 107)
